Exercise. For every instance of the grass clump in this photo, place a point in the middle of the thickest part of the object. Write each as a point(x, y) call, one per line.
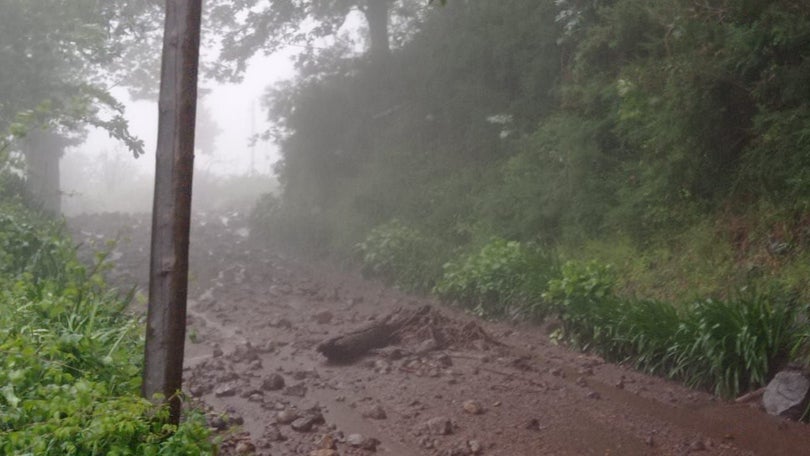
point(733, 345)
point(728, 346)
point(71, 359)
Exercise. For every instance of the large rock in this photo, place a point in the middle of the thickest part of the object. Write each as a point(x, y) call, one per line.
point(786, 394)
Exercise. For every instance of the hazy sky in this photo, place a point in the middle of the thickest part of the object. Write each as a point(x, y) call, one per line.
point(229, 104)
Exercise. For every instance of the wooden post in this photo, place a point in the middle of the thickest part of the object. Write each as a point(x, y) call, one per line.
point(168, 275)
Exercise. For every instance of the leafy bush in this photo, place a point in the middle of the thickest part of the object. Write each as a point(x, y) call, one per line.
point(70, 358)
point(502, 276)
point(34, 245)
point(585, 301)
point(401, 255)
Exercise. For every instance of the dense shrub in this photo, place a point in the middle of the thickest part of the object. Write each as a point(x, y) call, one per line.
point(401, 255)
point(583, 295)
point(70, 358)
point(502, 277)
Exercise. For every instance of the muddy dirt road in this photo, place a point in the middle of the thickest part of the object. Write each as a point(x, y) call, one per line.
point(452, 385)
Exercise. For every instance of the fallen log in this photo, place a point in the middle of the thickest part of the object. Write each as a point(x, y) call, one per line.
point(356, 343)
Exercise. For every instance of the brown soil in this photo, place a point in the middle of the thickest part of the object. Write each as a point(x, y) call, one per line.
point(451, 384)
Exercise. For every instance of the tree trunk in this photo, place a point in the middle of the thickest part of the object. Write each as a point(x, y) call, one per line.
point(43, 150)
point(376, 13)
point(168, 275)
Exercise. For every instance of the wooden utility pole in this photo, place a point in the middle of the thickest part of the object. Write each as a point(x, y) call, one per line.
point(168, 274)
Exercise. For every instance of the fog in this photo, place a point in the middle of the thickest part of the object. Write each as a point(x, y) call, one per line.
point(101, 175)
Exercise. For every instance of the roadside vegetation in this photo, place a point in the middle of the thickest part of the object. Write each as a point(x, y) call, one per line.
point(71, 357)
point(637, 170)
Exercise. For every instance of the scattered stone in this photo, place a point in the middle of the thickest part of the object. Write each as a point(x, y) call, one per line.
point(299, 390)
point(355, 439)
point(427, 443)
point(593, 395)
point(438, 426)
point(697, 445)
point(557, 372)
point(459, 450)
point(245, 447)
point(268, 347)
point(382, 367)
point(250, 392)
point(427, 345)
point(273, 434)
point(217, 422)
point(256, 364)
point(532, 425)
point(281, 323)
point(304, 424)
point(444, 360)
point(217, 352)
point(327, 442)
point(786, 394)
point(263, 444)
point(324, 452)
point(473, 407)
point(307, 422)
point(234, 418)
point(199, 389)
point(370, 444)
point(273, 382)
point(581, 382)
point(475, 447)
point(304, 374)
point(227, 376)
point(376, 412)
point(226, 390)
point(245, 353)
point(323, 317)
point(286, 416)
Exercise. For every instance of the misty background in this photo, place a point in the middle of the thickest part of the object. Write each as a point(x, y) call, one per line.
point(231, 167)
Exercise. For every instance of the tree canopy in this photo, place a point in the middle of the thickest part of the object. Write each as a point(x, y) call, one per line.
point(556, 122)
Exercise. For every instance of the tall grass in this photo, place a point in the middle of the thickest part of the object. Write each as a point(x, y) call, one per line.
point(727, 346)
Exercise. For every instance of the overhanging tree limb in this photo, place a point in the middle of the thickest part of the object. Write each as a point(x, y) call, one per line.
point(168, 277)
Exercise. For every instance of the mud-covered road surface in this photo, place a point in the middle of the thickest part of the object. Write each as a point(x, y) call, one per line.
point(452, 385)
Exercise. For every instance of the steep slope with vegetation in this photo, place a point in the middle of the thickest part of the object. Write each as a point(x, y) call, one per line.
point(506, 155)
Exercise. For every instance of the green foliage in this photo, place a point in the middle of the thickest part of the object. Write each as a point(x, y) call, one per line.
point(733, 345)
point(71, 358)
point(584, 294)
point(51, 77)
point(667, 138)
point(729, 346)
point(502, 277)
point(35, 246)
point(401, 255)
